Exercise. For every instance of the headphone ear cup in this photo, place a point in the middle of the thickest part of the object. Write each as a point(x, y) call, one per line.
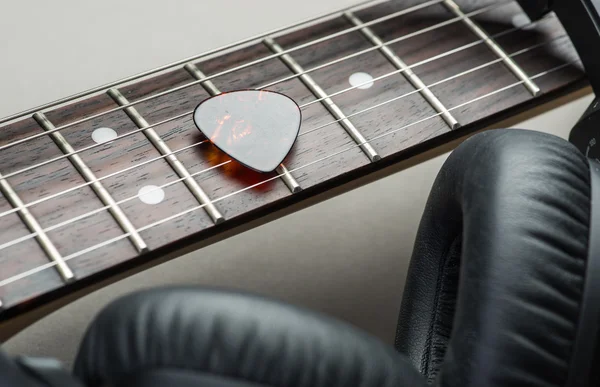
point(586, 349)
point(494, 289)
point(220, 337)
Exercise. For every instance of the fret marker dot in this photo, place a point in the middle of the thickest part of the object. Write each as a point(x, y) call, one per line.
point(102, 135)
point(361, 80)
point(521, 20)
point(151, 194)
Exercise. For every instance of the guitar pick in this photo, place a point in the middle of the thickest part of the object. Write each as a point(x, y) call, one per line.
point(256, 128)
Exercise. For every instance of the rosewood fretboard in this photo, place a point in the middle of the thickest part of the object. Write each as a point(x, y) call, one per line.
point(449, 70)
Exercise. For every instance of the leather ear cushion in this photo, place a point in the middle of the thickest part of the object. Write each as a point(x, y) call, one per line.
point(179, 378)
point(11, 374)
point(239, 337)
point(494, 287)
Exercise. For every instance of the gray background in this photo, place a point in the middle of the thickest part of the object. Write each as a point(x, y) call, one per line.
point(346, 256)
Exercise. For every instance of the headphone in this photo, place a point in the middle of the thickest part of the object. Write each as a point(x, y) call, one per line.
point(581, 20)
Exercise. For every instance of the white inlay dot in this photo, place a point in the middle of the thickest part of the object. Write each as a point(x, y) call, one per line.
point(521, 20)
point(102, 135)
point(151, 194)
point(361, 80)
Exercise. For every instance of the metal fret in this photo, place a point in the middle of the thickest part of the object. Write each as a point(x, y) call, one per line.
point(325, 100)
point(508, 61)
point(173, 161)
point(288, 179)
point(199, 75)
point(213, 90)
point(406, 71)
point(98, 188)
point(65, 272)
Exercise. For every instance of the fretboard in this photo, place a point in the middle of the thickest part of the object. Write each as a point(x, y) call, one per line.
point(122, 175)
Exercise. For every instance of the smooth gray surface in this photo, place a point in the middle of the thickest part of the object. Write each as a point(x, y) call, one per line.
point(346, 256)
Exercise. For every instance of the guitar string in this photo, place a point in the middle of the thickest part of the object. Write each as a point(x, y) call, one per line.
point(246, 65)
point(353, 8)
point(83, 216)
point(101, 209)
point(399, 71)
point(399, 39)
point(172, 217)
point(448, 53)
point(301, 134)
point(261, 60)
point(256, 62)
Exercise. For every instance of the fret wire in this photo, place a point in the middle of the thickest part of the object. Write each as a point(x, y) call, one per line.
point(495, 47)
point(213, 90)
point(288, 179)
point(32, 224)
point(413, 78)
point(520, 52)
point(171, 159)
point(262, 87)
point(104, 196)
point(425, 61)
point(113, 240)
point(331, 106)
point(105, 87)
point(184, 86)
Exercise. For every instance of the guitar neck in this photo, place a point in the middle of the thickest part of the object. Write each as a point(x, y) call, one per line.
point(121, 175)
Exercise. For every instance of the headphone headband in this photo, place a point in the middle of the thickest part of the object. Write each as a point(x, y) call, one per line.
point(581, 20)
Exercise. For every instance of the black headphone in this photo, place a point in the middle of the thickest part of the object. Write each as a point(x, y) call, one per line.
point(581, 20)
